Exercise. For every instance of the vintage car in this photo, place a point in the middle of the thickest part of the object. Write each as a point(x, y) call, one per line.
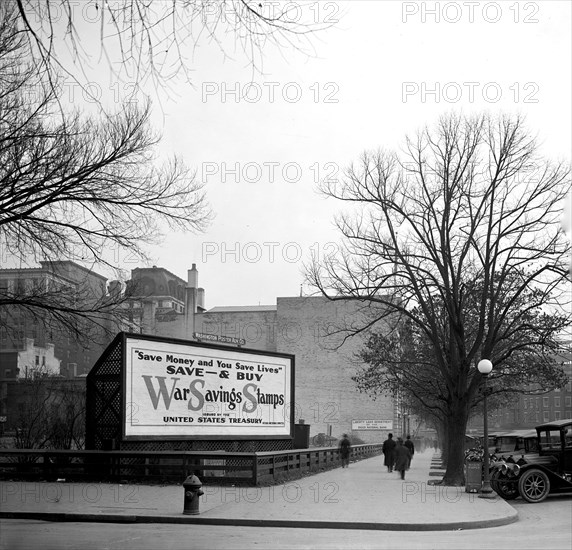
point(475, 441)
point(535, 475)
point(516, 443)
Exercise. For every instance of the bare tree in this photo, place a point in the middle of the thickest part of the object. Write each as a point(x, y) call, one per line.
point(51, 412)
point(77, 187)
point(461, 235)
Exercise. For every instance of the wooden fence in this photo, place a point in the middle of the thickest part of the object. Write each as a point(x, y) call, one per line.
point(172, 466)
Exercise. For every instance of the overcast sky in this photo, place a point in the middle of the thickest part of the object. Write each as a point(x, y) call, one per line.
point(383, 70)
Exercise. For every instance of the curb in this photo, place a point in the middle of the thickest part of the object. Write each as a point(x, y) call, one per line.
point(108, 518)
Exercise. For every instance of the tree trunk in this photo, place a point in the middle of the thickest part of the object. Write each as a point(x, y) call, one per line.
point(443, 445)
point(456, 428)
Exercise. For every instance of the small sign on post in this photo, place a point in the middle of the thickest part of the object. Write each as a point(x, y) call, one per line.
point(372, 425)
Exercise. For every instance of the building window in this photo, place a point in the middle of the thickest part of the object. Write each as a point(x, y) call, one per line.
point(37, 360)
point(568, 401)
point(557, 402)
point(557, 415)
point(537, 416)
point(545, 416)
point(21, 287)
point(545, 402)
point(525, 403)
point(7, 373)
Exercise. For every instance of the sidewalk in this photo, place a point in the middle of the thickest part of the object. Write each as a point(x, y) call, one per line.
point(363, 496)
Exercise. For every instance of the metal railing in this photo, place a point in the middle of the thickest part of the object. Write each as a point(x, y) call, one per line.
point(172, 466)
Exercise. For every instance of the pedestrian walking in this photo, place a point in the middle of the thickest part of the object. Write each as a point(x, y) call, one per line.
point(409, 444)
point(388, 450)
point(345, 449)
point(402, 457)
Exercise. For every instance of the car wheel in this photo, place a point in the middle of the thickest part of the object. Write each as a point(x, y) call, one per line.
point(504, 488)
point(534, 485)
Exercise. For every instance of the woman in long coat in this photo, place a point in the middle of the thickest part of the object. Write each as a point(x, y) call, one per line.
point(402, 457)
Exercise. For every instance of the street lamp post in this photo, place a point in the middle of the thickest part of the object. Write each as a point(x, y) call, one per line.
point(485, 367)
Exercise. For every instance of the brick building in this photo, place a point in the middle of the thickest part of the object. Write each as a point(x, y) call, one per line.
point(536, 408)
point(533, 408)
point(29, 361)
point(35, 354)
point(17, 325)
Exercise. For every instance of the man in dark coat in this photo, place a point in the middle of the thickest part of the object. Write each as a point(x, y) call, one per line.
point(345, 448)
point(388, 450)
point(409, 444)
point(402, 457)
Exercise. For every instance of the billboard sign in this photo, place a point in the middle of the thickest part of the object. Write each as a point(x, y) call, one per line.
point(177, 390)
point(372, 425)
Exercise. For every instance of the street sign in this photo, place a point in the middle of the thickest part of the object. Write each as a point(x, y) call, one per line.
point(201, 336)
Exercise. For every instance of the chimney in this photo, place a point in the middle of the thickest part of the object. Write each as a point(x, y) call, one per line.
point(149, 310)
point(114, 289)
point(193, 277)
point(201, 299)
point(191, 299)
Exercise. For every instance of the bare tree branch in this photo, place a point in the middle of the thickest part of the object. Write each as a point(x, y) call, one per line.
point(147, 42)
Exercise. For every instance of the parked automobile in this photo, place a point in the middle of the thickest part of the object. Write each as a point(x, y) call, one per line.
point(535, 475)
point(517, 442)
point(476, 441)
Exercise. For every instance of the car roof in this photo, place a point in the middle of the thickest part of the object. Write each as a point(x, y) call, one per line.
point(555, 424)
point(520, 433)
point(490, 434)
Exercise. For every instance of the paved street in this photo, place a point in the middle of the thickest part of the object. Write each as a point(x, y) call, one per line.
point(546, 525)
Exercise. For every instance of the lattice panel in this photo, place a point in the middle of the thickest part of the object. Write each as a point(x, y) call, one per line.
point(112, 363)
point(212, 445)
point(108, 417)
point(103, 414)
point(107, 389)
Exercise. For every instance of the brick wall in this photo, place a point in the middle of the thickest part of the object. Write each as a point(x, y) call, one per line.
point(325, 393)
point(257, 328)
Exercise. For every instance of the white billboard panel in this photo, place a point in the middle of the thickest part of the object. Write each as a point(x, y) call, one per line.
point(175, 390)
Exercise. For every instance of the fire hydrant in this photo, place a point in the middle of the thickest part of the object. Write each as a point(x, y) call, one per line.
point(192, 486)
